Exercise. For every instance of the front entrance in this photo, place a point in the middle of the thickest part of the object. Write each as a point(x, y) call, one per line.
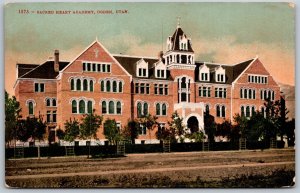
point(193, 124)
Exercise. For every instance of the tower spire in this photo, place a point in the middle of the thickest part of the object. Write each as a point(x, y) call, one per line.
point(178, 22)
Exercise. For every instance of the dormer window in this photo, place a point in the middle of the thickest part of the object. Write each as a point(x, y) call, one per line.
point(204, 73)
point(183, 41)
point(142, 68)
point(220, 74)
point(160, 70)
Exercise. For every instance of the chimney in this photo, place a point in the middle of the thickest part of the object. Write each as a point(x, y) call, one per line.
point(56, 61)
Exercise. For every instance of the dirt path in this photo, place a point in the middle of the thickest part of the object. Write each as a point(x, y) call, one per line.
point(149, 170)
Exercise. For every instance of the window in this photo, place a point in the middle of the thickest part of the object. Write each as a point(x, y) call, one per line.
point(54, 116)
point(142, 88)
point(39, 87)
point(242, 111)
point(108, 68)
point(247, 111)
point(221, 110)
point(72, 84)
point(139, 110)
point(95, 67)
point(119, 108)
point(90, 106)
point(145, 110)
point(111, 107)
point(157, 109)
point(74, 106)
point(220, 92)
point(85, 85)
point(259, 79)
point(143, 130)
point(78, 84)
point(99, 67)
point(102, 85)
point(161, 89)
point(204, 91)
point(220, 77)
point(30, 108)
point(164, 109)
point(54, 102)
point(104, 107)
point(114, 86)
point(108, 86)
point(48, 116)
point(91, 86)
point(166, 89)
point(160, 73)
point(247, 93)
point(155, 89)
point(103, 68)
point(120, 87)
point(48, 102)
point(267, 94)
point(81, 106)
point(204, 77)
point(207, 109)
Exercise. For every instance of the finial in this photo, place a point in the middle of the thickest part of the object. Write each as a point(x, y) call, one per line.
point(178, 22)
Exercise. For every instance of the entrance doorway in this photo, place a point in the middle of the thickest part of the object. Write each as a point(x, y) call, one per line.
point(193, 124)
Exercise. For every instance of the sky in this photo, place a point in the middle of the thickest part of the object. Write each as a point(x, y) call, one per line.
point(220, 32)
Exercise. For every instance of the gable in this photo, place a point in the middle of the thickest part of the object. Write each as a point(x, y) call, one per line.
point(95, 53)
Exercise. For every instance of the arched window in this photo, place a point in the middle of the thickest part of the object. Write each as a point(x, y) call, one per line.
point(107, 86)
point(74, 106)
point(120, 87)
point(145, 110)
point(250, 93)
point(247, 111)
point(119, 108)
point(157, 109)
point(183, 82)
point(54, 102)
point(164, 109)
point(48, 102)
point(139, 109)
point(241, 93)
point(269, 95)
point(223, 111)
point(78, 84)
point(273, 96)
point(102, 85)
point(265, 94)
point(245, 93)
point(242, 111)
point(91, 86)
point(85, 85)
point(218, 111)
point(30, 108)
point(254, 94)
point(252, 110)
point(111, 107)
point(114, 86)
point(207, 109)
point(72, 84)
point(104, 111)
point(81, 106)
point(90, 106)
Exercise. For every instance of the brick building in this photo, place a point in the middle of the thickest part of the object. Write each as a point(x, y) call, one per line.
point(123, 87)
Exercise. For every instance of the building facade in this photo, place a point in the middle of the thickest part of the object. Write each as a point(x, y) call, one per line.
point(123, 87)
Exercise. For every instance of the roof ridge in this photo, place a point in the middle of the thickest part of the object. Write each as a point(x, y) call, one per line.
point(132, 56)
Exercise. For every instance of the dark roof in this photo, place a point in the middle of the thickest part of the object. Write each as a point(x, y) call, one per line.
point(43, 71)
point(129, 63)
point(24, 68)
point(175, 40)
point(231, 71)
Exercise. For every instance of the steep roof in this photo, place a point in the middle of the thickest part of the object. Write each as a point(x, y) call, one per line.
point(42, 71)
point(24, 68)
point(175, 40)
point(231, 71)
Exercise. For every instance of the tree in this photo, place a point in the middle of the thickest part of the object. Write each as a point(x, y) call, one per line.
point(149, 122)
point(210, 126)
point(90, 125)
point(71, 130)
point(177, 128)
point(241, 124)
point(60, 134)
point(131, 130)
point(111, 132)
point(224, 129)
point(197, 136)
point(290, 132)
point(12, 114)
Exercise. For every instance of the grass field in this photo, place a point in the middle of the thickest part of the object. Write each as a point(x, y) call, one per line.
point(268, 168)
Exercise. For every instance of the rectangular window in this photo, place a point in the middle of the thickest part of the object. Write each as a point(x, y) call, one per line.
point(137, 88)
point(94, 67)
point(142, 88)
point(155, 89)
point(144, 72)
point(103, 68)
point(162, 73)
point(48, 116)
point(108, 67)
point(166, 89)
point(99, 67)
point(140, 72)
point(83, 66)
point(89, 67)
point(161, 89)
point(147, 89)
point(158, 73)
point(39, 87)
point(204, 91)
point(220, 92)
point(54, 117)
